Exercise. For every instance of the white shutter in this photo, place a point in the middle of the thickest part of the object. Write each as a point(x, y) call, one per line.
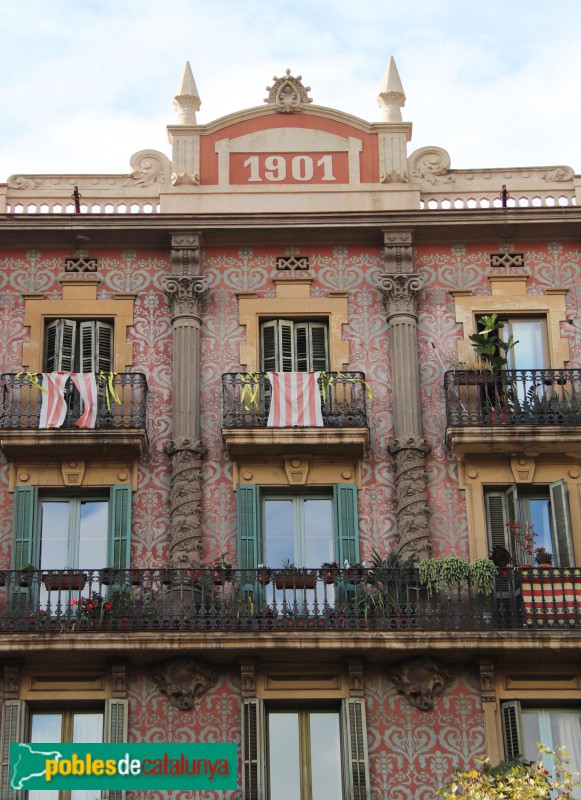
point(15, 728)
point(356, 757)
point(512, 729)
point(319, 347)
point(302, 347)
point(561, 524)
point(88, 348)
point(59, 353)
point(104, 340)
point(253, 750)
point(268, 346)
point(286, 346)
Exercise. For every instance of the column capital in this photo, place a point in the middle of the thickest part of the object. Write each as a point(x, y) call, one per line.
point(184, 293)
point(397, 250)
point(185, 253)
point(399, 293)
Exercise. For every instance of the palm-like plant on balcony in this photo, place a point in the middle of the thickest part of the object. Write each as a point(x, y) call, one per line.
point(488, 343)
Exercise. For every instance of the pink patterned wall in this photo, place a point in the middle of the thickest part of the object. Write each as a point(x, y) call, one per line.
point(411, 752)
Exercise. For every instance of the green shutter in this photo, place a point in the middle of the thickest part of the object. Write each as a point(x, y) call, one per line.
point(25, 546)
point(15, 728)
point(115, 731)
point(253, 750)
point(356, 755)
point(119, 526)
point(346, 523)
point(248, 519)
point(511, 729)
point(561, 523)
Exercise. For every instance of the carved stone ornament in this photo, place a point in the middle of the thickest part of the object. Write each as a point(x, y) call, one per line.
point(355, 667)
point(149, 166)
point(487, 684)
point(23, 182)
point(184, 293)
point(398, 252)
point(185, 179)
point(186, 548)
point(185, 253)
point(412, 499)
point(288, 94)
point(248, 680)
point(430, 165)
point(559, 174)
point(400, 293)
point(11, 681)
point(184, 681)
point(119, 680)
point(507, 260)
point(420, 680)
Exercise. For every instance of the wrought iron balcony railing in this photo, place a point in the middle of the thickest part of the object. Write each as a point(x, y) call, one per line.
point(281, 600)
point(120, 402)
point(246, 399)
point(513, 397)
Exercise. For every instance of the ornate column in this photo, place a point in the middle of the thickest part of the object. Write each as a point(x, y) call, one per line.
point(400, 288)
point(184, 289)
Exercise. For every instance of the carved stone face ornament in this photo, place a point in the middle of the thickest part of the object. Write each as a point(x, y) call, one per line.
point(184, 681)
point(420, 680)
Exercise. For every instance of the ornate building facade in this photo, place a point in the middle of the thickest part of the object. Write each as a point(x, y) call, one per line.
point(241, 405)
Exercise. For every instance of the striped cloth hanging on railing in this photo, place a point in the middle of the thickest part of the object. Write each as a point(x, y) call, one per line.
point(295, 400)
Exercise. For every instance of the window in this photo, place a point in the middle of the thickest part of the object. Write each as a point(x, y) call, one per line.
point(525, 726)
point(65, 726)
point(78, 346)
point(305, 753)
point(69, 531)
point(531, 348)
point(107, 722)
point(306, 528)
point(544, 509)
point(288, 346)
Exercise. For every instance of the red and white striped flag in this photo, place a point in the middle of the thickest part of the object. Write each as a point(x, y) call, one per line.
point(53, 408)
point(295, 400)
point(86, 383)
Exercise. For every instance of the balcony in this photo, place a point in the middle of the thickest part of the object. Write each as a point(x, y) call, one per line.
point(310, 600)
point(496, 410)
point(246, 401)
point(119, 422)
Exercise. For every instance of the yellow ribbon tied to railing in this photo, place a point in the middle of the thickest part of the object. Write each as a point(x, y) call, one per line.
point(107, 379)
point(327, 379)
point(250, 386)
point(33, 378)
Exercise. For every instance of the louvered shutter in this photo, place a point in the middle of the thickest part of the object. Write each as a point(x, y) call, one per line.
point(496, 519)
point(119, 527)
point(268, 345)
point(104, 339)
point(512, 729)
point(286, 359)
point(115, 732)
point(253, 750)
point(60, 346)
point(319, 347)
point(346, 523)
point(15, 728)
point(25, 546)
point(248, 519)
point(561, 523)
point(88, 346)
point(356, 755)
point(302, 347)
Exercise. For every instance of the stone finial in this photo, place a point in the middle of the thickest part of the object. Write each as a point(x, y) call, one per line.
point(186, 99)
point(391, 97)
point(288, 94)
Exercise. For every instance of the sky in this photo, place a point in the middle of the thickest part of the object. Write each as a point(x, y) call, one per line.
point(84, 84)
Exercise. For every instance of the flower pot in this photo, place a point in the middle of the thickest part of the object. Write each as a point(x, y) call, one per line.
point(222, 575)
point(66, 581)
point(295, 581)
point(264, 577)
point(329, 576)
point(355, 575)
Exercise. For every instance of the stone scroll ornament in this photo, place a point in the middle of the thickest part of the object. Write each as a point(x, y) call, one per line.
point(184, 681)
point(420, 680)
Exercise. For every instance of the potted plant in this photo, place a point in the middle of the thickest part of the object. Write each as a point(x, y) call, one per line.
point(68, 580)
point(483, 572)
point(355, 573)
point(443, 573)
point(522, 537)
point(501, 558)
point(293, 577)
point(27, 574)
point(329, 572)
point(222, 569)
point(488, 343)
point(543, 558)
point(388, 578)
point(263, 574)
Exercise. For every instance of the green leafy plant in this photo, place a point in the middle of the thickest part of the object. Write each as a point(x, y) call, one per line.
point(488, 343)
point(454, 571)
point(429, 570)
point(483, 572)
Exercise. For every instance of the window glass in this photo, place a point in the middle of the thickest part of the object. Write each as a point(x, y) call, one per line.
point(73, 533)
point(554, 728)
point(304, 761)
point(300, 529)
point(530, 350)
